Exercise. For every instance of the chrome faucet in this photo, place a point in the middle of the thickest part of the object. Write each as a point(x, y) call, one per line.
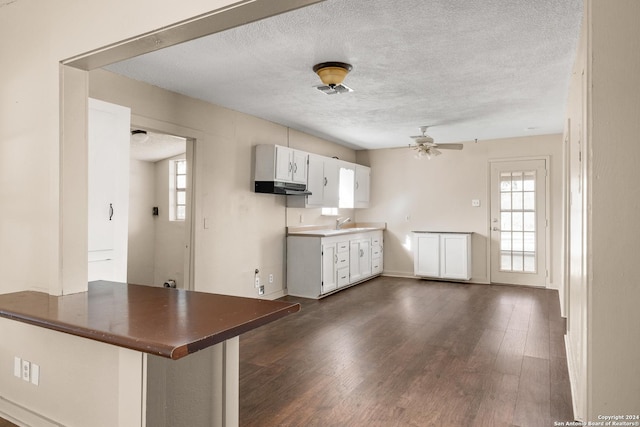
point(341, 222)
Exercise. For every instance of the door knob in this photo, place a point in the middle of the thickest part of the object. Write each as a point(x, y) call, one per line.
point(495, 229)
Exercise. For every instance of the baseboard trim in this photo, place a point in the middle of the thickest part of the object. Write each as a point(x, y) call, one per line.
point(572, 381)
point(22, 416)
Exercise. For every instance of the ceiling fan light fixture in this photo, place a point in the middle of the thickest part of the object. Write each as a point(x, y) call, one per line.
point(332, 73)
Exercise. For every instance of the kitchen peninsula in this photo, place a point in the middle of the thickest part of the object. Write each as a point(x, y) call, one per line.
point(160, 326)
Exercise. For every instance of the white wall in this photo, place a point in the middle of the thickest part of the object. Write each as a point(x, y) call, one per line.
point(436, 195)
point(604, 320)
point(142, 198)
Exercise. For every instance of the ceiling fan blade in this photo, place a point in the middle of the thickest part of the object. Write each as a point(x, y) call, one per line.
point(450, 146)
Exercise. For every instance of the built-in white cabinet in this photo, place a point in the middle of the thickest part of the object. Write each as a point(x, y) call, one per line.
point(318, 266)
point(275, 162)
point(322, 182)
point(359, 258)
point(361, 191)
point(442, 255)
point(108, 196)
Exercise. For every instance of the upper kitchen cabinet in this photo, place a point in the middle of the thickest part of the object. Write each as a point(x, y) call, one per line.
point(274, 162)
point(363, 175)
point(322, 182)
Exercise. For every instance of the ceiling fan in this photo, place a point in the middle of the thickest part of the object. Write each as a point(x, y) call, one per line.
point(425, 146)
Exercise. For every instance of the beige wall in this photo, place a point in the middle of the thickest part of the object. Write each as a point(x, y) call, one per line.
point(43, 232)
point(235, 229)
point(411, 194)
point(141, 253)
point(602, 290)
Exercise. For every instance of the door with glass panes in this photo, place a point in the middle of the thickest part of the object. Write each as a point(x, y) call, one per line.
point(518, 222)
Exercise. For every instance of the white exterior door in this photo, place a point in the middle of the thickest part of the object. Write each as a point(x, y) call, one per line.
point(108, 170)
point(518, 226)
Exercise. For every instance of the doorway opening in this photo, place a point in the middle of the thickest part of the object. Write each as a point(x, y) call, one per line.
point(158, 238)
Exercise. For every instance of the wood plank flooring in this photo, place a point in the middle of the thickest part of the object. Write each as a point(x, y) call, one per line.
point(406, 352)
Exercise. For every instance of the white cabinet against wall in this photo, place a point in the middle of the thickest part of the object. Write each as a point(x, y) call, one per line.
point(322, 182)
point(359, 259)
point(442, 255)
point(363, 177)
point(280, 163)
point(108, 180)
point(317, 266)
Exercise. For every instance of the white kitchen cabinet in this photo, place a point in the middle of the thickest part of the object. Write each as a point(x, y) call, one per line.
point(317, 265)
point(359, 259)
point(322, 182)
point(275, 162)
point(442, 255)
point(363, 177)
point(376, 253)
point(108, 198)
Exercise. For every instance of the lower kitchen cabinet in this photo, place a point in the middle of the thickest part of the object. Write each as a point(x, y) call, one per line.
point(442, 255)
point(318, 266)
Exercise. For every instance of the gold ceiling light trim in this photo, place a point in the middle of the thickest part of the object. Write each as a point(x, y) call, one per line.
point(332, 73)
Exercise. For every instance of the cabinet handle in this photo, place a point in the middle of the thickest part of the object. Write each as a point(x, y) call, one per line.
point(361, 253)
point(325, 181)
point(336, 259)
point(295, 167)
point(110, 211)
point(357, 185)
point(290, 166)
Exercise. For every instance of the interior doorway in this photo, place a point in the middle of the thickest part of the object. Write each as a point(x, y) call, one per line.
point(518, 222)
point(158, 239)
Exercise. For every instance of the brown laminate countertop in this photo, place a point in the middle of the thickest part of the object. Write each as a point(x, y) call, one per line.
point(170, 323)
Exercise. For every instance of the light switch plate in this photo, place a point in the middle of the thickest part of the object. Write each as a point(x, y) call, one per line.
point(35, 374)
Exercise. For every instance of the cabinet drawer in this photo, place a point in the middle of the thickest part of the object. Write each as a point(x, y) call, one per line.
point(376, 251)
point(376, 266)
point(343, 276)
point(343, 259)
point(343, 246)
point(376, 241)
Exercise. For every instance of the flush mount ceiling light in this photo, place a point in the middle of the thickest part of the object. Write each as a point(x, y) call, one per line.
point(332, 75)
point(139, 136)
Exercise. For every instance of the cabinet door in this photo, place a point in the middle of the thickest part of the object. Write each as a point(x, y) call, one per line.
point(427, 255)
point(331, 183)
point(108, 183)
point(365, 258)
point(454, 256)
point(362, 186)
point(354, 262)
point(315, 181)
point(284, 163)
point(299, 171)
point(329, 263)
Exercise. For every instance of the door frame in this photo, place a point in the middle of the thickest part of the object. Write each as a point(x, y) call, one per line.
point(547, 208)
point(191, 135)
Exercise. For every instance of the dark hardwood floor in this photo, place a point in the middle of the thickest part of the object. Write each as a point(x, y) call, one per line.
point(406, 352)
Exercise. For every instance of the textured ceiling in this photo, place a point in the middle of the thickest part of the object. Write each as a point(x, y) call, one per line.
point(157, 147)
point(472, 69)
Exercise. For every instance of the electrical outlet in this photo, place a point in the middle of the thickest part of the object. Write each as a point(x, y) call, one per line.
point(270, 278)
point(26, 370)
point(261, 290)
point(475, 203)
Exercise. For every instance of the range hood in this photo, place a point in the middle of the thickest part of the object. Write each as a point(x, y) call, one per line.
point(280, 187)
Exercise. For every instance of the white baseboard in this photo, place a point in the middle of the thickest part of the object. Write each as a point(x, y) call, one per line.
point(22, 416)
point(577, 413)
